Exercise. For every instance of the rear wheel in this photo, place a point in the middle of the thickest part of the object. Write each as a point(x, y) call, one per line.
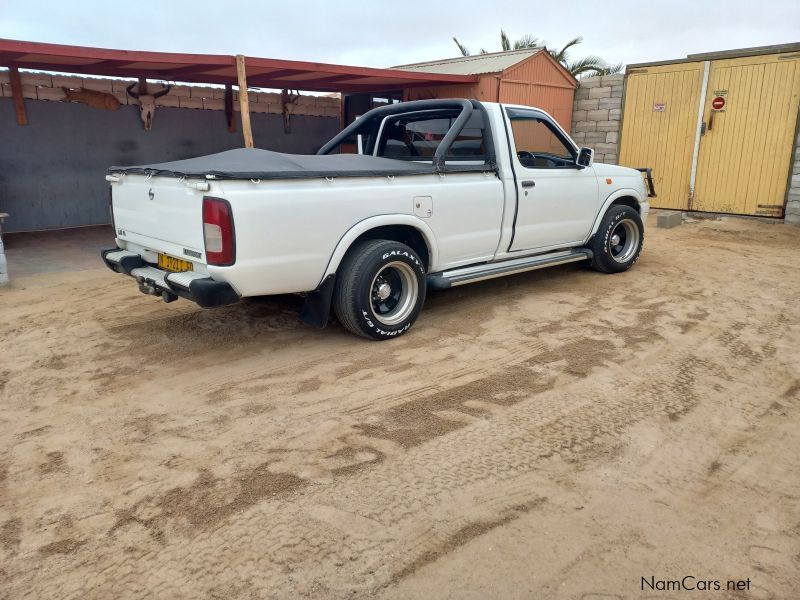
point(380, 289)
point(618, 241)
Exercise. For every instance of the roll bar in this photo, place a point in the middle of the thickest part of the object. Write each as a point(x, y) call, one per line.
point(382, 112)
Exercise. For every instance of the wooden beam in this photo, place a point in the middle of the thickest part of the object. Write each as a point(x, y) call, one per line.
point(159, 75)
point(277, 74)
point(269, 80)
point(244, 101)
point(113, 63)
point(16, 95)
point(229, 108)
point(177, 72)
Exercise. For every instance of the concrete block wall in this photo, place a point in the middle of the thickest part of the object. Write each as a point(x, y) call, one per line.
point(43, 86)
point(793, 197)
point(597, 114)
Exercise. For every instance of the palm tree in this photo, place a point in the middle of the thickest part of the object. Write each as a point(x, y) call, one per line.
point(612, 69)
point(561, 55)
point(588, 65)
point(526, 41)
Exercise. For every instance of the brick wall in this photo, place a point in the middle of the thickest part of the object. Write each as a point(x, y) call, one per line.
point(793, 199)
point(42, 86)
point(596, 116)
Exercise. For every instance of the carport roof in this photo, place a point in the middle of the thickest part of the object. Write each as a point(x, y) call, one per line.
point(214, 68)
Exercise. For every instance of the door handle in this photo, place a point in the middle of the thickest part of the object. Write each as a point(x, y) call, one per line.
point(528, 183)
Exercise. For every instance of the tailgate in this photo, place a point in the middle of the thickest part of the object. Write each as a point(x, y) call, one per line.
point(161, 214)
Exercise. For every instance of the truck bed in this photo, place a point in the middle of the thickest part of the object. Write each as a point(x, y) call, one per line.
point(254, 163)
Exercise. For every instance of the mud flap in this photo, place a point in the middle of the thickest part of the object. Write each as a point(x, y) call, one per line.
point(317, 307)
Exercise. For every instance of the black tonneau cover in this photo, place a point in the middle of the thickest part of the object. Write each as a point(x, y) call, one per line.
point(253, 163)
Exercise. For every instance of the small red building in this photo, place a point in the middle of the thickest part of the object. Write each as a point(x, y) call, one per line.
point(531, 77)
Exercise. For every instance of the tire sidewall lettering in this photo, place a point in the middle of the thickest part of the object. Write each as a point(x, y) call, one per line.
point(408, 255)
point(607, 240)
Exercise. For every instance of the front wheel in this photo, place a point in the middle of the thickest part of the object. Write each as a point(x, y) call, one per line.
point(380, 289)
point(618, 241)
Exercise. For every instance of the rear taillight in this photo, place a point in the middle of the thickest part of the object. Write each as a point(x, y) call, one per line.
point(218, 232)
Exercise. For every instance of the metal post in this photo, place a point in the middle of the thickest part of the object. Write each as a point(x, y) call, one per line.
point(698, 131)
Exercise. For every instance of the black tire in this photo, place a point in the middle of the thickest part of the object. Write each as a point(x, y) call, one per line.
point(370, 270)
point(618, 241)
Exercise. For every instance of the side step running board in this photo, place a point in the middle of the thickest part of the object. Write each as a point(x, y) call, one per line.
point(463, 275)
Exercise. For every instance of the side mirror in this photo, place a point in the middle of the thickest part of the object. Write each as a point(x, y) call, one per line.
point(585, 157)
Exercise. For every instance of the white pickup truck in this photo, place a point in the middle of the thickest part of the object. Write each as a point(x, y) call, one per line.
point(441, 193)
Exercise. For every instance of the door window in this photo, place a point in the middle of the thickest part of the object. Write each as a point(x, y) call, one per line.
point(539, 145)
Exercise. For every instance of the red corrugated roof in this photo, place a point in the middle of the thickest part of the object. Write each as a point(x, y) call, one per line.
point(214, 68)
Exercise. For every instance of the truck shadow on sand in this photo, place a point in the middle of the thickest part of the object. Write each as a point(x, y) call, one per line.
point(256, 318)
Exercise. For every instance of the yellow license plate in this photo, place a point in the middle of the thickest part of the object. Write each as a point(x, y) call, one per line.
point(173, 264)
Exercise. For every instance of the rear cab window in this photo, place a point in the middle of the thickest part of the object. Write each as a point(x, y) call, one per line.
point(416, 137)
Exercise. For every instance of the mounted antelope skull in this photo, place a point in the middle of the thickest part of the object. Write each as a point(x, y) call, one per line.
point(147, 103)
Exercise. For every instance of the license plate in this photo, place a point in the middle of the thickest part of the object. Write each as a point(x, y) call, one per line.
point(173, 264)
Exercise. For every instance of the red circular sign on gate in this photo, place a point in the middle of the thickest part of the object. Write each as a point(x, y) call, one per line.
point(718, 103)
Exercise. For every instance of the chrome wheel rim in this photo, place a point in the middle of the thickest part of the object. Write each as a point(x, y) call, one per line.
point(623, 241)
point(393, 293)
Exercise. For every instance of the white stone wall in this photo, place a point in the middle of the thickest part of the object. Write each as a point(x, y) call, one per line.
point(43, 86)
point(793, 198)
point(596, 116)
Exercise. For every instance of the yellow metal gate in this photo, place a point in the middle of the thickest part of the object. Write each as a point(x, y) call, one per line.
point(658, 127)
point(718, 133)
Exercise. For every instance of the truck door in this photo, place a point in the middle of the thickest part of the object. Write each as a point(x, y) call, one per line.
point(556, 200)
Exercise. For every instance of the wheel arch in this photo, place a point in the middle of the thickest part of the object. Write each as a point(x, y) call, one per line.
point(317, 305)
point(399, 228)
point(626, 197)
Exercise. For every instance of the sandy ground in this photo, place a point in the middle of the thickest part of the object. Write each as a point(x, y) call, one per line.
point(557, 434)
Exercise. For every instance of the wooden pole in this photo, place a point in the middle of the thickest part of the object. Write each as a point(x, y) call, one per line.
point(229, 108)
point(244, 101)
point(16, 95)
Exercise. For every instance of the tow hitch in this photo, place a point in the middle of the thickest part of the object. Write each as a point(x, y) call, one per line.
point(148, 287)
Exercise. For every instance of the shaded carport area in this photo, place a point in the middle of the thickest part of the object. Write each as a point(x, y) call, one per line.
point(56, 251)
point(55, 152)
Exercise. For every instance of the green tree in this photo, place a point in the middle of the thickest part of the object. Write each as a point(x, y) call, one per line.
point(588, 65)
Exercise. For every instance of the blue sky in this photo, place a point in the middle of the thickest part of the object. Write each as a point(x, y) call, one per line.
point(380, 34)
